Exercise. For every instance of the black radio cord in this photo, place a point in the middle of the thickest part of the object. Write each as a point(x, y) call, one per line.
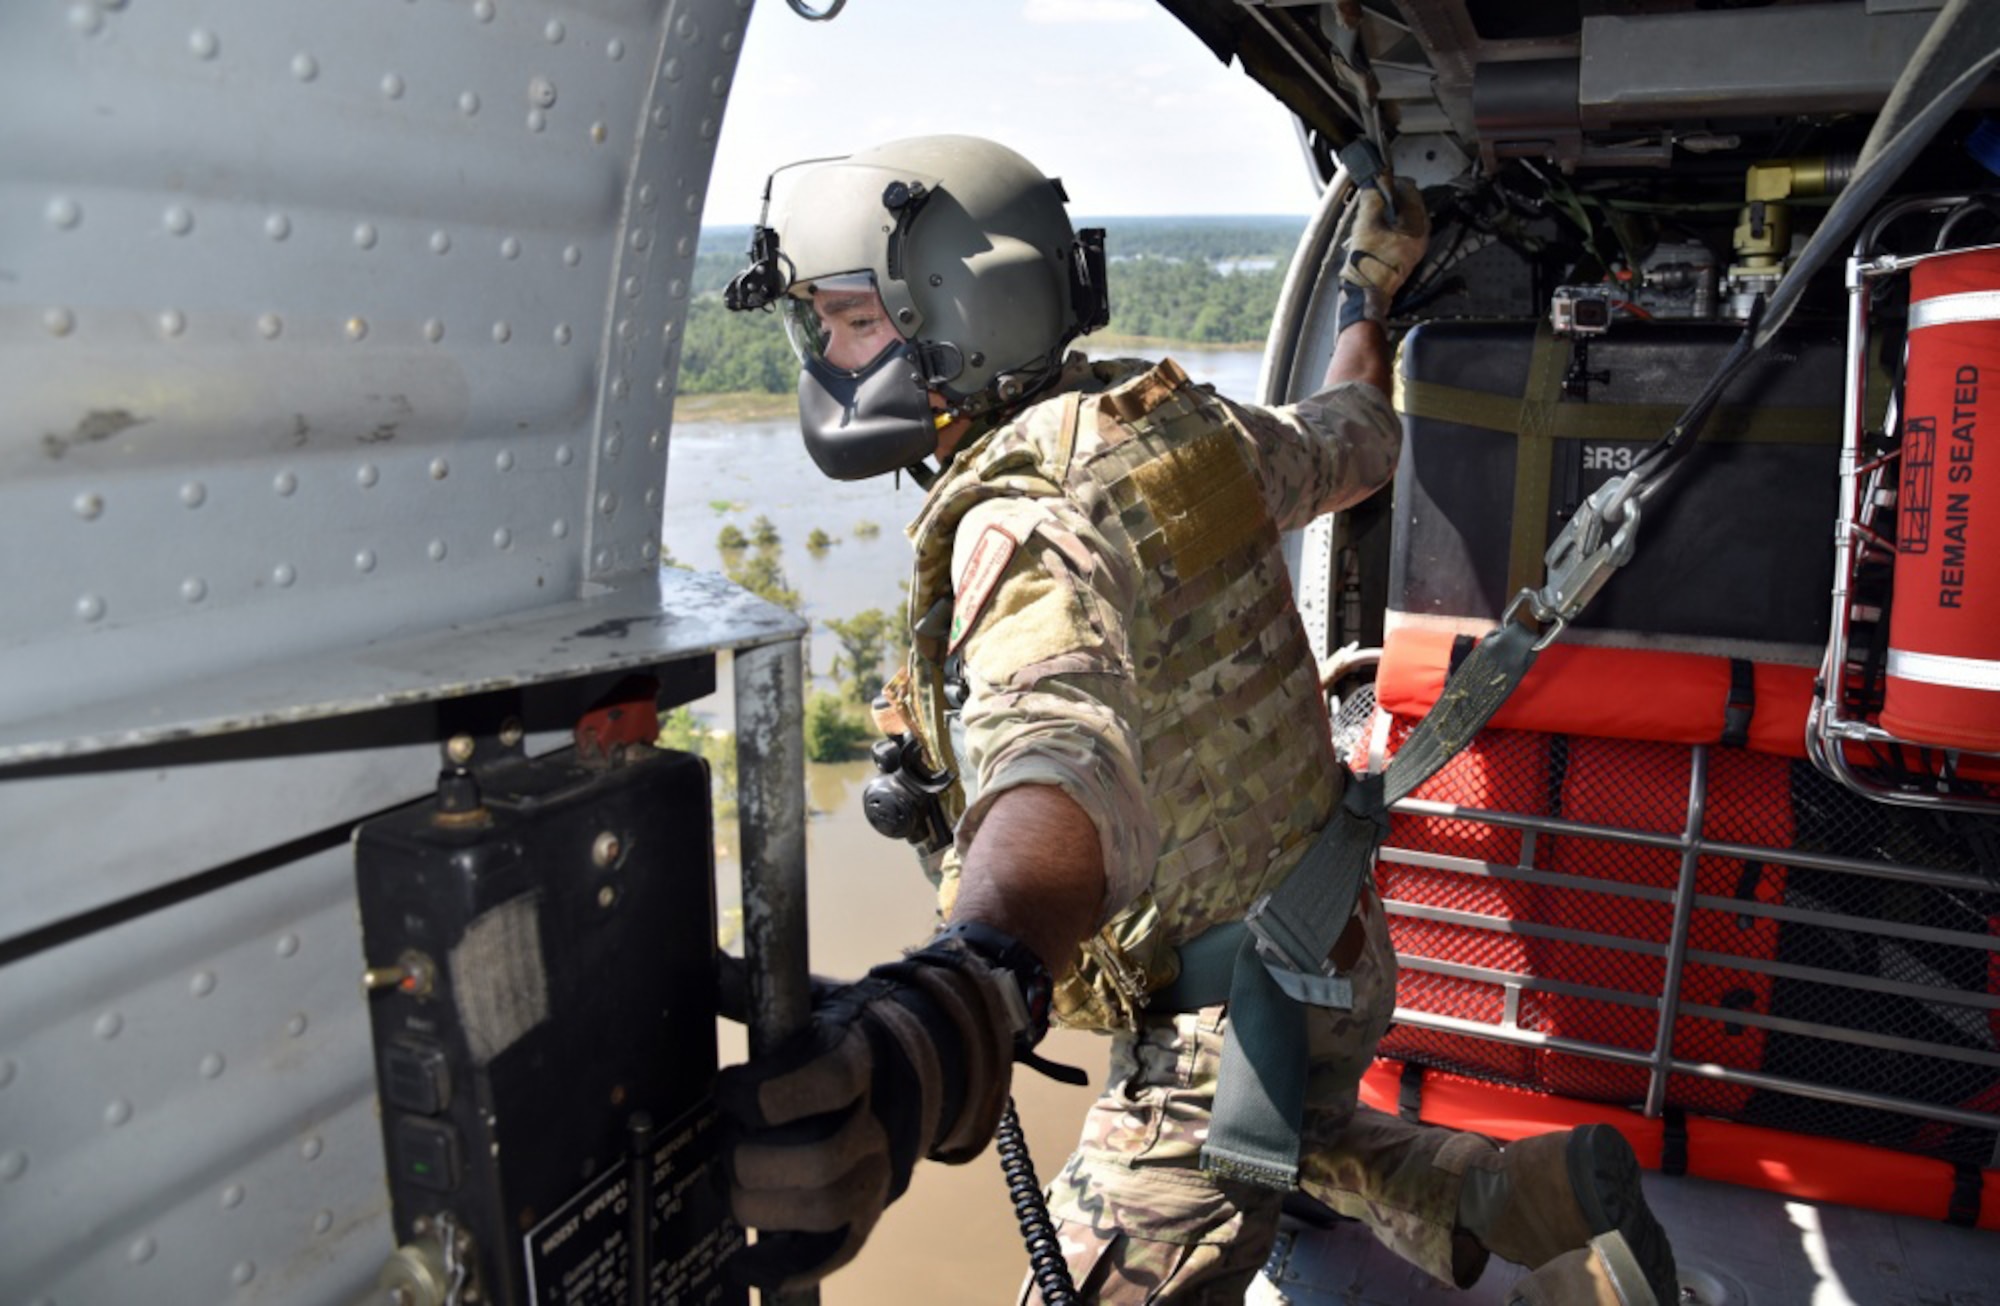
point(1045, 1259)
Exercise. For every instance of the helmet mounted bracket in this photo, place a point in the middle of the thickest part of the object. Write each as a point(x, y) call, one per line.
point(904, 199)
point(765, 280)
point(1089, 287)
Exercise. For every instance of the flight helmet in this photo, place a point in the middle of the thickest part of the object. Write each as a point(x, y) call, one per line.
point(982, 283)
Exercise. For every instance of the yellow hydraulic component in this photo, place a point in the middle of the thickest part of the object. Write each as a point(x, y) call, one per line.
point(1764, 231)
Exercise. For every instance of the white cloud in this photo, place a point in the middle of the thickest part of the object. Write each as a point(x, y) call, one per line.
point(1086, 11)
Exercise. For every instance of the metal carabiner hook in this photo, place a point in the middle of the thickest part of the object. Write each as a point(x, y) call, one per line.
point(799, 8)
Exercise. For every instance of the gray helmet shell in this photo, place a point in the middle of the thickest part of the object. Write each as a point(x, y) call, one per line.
point(976, 274)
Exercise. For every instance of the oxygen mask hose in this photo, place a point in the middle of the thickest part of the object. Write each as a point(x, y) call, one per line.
point(1045, 1259)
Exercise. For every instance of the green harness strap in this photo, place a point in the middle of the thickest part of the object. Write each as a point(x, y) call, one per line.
point(1271, 965)
point(1535, 456)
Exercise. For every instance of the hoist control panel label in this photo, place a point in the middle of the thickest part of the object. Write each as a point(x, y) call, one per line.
point(584, 1253)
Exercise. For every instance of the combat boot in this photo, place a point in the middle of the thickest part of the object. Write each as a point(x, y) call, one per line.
point(1545, 1196)
point(1603, 1273)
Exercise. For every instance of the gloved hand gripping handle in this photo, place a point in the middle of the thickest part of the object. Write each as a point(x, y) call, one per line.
point(912, 1061)
point(1388, 241)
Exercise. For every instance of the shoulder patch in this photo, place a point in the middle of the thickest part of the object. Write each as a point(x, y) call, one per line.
point(984, 566)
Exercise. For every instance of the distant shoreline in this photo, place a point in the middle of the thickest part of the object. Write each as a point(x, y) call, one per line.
point(755, 406)
point(735, 406)
point(1163, 345)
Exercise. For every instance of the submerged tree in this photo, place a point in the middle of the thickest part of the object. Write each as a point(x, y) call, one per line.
point(864, 641)
point(762, 575)
point(833, 733)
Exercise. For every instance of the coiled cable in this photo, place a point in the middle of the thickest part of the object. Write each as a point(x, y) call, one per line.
point(1045, 1259)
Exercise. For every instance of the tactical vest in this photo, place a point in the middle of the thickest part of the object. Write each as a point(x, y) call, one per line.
point(1234, 743)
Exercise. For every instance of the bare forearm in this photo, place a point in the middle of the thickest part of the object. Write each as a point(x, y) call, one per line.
point(1360, 353)
point(1035, 871)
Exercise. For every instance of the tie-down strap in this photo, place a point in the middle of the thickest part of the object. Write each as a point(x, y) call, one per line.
point(1275, 962)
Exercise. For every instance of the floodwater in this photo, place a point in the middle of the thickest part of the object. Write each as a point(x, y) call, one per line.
point(730, 474)
point(952, 1238)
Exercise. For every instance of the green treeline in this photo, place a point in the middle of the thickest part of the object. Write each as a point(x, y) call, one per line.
point(726, 353)
point(1191, 301)
point(1208, 281)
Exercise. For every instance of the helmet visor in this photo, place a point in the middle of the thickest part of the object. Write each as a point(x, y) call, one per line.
point(839, 321)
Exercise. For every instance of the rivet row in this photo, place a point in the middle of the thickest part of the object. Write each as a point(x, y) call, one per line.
point(92, 608)
point(61, 322)
point(64, 213)
point(89, 504)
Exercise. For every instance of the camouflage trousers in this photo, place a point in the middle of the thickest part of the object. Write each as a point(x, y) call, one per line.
point(1140, 1222)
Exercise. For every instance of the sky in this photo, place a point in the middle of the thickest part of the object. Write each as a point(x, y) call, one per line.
point(1118, 99)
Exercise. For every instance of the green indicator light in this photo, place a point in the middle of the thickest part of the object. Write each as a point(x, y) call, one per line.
point(421, 1167)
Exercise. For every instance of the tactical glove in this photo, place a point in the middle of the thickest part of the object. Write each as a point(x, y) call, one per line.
point(1381, 255)
point(912, 1061)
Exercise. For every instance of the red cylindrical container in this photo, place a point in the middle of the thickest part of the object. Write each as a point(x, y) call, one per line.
point(1943, 684)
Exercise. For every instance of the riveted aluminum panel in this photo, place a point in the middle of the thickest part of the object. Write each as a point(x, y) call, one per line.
point(338, 344)
point(83, 835)
point(327, 324)
point(644, 618)
point(187, 1104)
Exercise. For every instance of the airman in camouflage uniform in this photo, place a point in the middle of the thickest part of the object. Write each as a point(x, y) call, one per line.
point(1106, 657)
point(1140, 651)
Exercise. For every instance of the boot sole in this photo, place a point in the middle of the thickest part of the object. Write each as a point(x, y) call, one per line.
point(1604, 1175)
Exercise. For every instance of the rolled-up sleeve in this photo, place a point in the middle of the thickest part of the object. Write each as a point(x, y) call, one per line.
point(1051, 699)
point(1328, 451)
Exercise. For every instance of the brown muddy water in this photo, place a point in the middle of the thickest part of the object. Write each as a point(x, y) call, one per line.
point(729, 474)
point(952, 1239)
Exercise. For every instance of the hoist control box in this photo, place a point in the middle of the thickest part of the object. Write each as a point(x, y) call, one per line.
point(540, 943)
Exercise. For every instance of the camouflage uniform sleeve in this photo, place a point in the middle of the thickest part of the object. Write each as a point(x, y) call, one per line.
point(1051, 699)
point(1328, 451)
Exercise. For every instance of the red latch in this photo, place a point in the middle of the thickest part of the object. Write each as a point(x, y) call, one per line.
point(629, 714)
